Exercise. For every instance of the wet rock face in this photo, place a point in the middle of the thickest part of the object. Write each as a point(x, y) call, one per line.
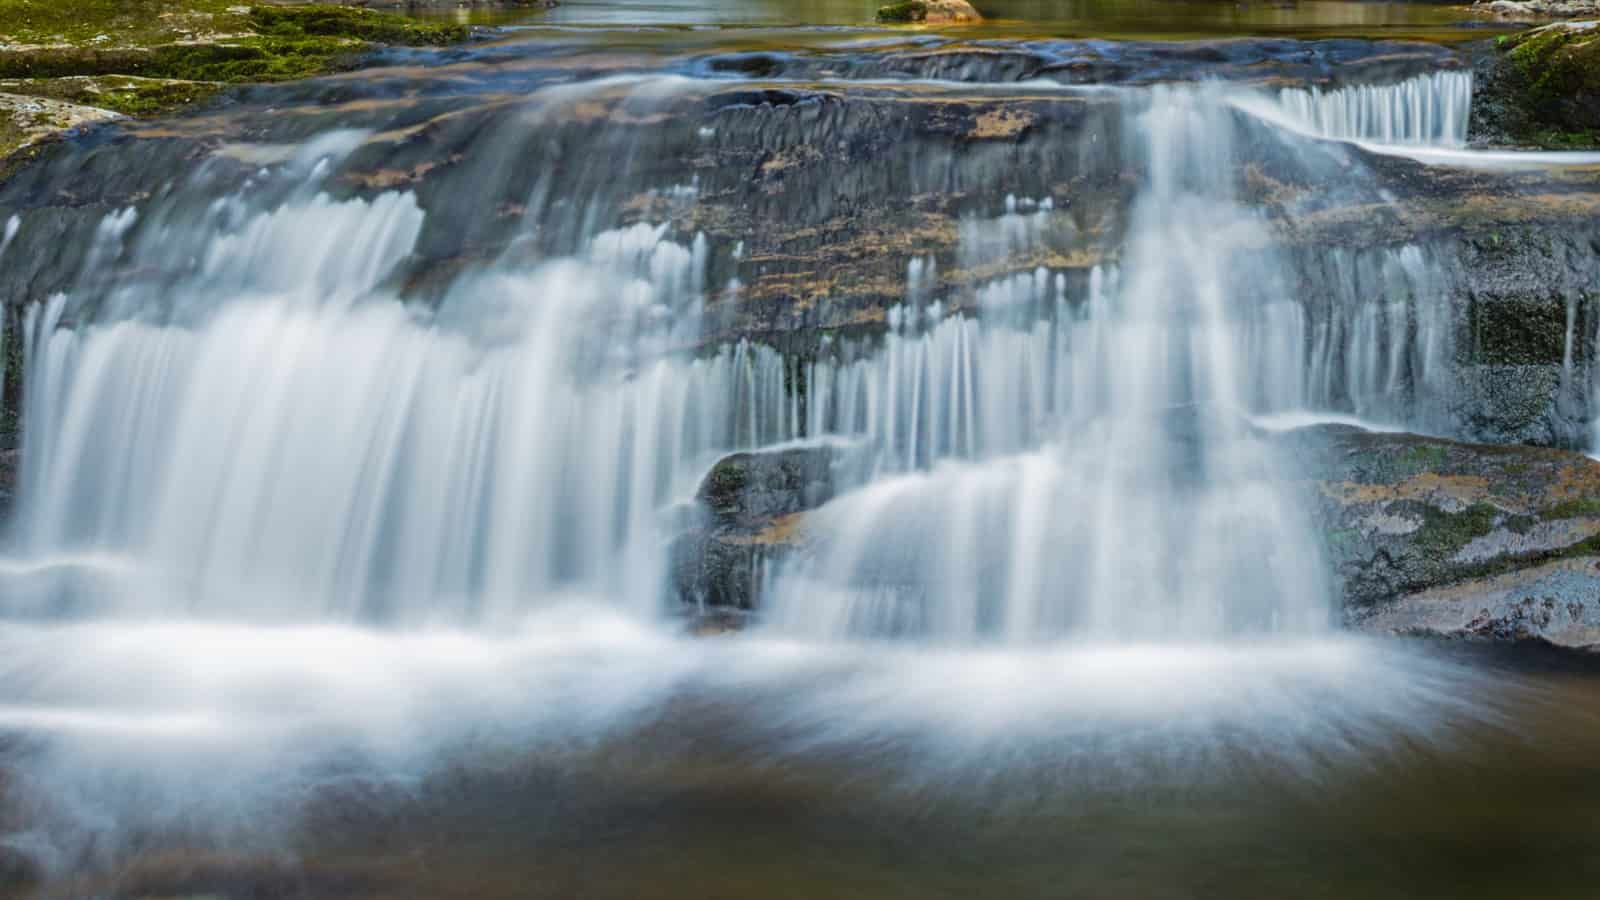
point(1524, 304)
point(750, 513)
point(814, 195)
point(1430, 536)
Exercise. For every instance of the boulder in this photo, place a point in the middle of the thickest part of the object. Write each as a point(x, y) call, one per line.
point(749, 514)
point(1435, 537)
point(930, 12)
point(1541, 88)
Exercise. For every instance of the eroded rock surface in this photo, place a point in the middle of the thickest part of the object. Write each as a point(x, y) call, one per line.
point(1436, 537)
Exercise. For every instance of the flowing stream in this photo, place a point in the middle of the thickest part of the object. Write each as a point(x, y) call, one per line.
point(296, 539)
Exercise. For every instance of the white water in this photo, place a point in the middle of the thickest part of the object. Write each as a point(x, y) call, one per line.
point(1151, 509)
point(227, 733)
point(1429, 109)
point(238, 485)
point(314, 449)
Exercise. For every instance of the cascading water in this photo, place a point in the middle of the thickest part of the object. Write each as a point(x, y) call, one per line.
point(511, 446)
point(313, 449)
point(278, 510)
point(1148, 508)
point(1427, 109)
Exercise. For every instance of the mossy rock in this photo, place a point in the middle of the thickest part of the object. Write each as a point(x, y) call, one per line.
point(1558, 74)
point(138, 69)
point(931, 12)
point(125, 94)
point(254, 59)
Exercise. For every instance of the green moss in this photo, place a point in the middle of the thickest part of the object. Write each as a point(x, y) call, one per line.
point(1417, 459)
point(117, 23)
point(297, 22)
point(1443, 534)
point(1572, 509)
point(1589, 546)
point(154, 98)
point(1557, 66)
point(726, 478)
point(186, 49)
point(129, 95)
point(253, 59)
point(1557, 139)
point(905, 11)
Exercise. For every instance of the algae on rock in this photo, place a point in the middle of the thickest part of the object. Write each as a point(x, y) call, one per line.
point(141, 58)
point(1543, 89)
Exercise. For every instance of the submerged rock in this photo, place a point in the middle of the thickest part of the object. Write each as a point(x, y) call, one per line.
point(1435, 537)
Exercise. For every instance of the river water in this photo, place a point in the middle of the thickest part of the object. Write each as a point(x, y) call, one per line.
point(359, 416)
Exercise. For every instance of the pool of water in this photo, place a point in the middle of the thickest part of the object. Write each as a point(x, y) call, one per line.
point(597, 757)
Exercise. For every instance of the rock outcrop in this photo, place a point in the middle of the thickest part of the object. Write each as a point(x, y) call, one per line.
point(749, 513)
point(25, 121)
point(930, 12)
point(1440, 538)
point(1540, 88)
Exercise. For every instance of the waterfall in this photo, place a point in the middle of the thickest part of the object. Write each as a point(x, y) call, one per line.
point(311, 448)
point(1427, 109)
point(264, 430)
point(321, 498)
point(255, 425)
point(1148, 508)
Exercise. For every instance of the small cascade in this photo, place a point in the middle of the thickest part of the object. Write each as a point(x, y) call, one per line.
point(940, 387)
point(1430, 109)
point(313, 449)
point(257, 425)
point(372, 453)
point(1031, 357)
point(1148, 508)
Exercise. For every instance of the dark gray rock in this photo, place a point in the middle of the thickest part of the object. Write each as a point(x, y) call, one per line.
point(1436, 537)
point(750, 514)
